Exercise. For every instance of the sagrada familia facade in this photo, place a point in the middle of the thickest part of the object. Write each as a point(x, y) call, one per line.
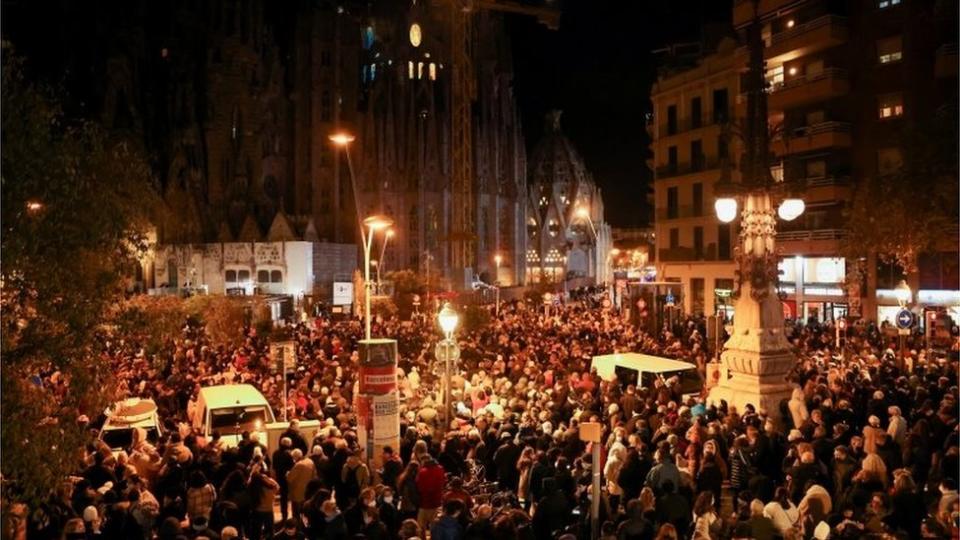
point(236, 101)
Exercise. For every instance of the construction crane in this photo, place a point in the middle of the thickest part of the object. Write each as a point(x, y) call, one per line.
point(463, 92)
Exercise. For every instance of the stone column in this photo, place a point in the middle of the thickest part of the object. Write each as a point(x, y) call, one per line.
point(758, 355)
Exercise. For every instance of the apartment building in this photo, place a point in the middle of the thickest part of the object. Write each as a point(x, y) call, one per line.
point(844, 78)
point(692, 247)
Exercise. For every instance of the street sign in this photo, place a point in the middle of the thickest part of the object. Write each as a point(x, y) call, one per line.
point(904, 319)
point(342, 293)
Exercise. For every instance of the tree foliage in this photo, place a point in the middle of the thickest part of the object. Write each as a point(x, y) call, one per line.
point(908, 211)
point(72, 226)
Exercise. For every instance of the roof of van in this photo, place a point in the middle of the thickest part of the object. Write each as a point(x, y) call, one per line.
point(229, 395)
point(648, 363)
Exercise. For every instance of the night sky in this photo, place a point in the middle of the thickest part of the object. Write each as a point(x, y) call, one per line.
point(598, 68)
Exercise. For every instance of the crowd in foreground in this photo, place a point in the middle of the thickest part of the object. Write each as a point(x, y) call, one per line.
point(867, 445)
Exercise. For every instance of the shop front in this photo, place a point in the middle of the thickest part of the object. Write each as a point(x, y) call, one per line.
point(812, 288)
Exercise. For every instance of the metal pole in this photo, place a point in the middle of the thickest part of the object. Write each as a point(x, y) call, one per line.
point(446, 384)
point(366, 281)
point(383, 252)
point(283, 360)
point(498, 303)
point(595, 503)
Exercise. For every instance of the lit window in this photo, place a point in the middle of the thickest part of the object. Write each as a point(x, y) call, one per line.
point(776, 172)
point(890, 50)
point(373, 71)
point(553, 227)
point(433, 71)
point(410, 69)
point(419, 70)
point(891, 105)
point(775, 77)
point(884, 4)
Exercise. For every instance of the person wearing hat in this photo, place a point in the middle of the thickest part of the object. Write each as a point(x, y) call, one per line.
point(200, 527)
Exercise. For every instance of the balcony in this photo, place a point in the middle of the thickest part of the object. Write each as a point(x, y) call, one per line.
point(805, 89)
point(743, 9)
point(806, 38)
point(688, 254)
point(680, 212)
point(810, 242)
point(814, 137)
point(694, 166)
point(689, 124)
point(945, 65)
point(828, 188)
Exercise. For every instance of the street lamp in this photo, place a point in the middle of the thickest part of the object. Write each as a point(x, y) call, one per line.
point(726, 208)
point(447, 352)
point(341, 138)
point(372, 224)
point(583, 213)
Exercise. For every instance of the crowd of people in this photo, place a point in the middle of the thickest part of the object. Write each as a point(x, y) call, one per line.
point(867, 445)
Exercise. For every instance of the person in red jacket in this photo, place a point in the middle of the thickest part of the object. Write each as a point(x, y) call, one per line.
point(430, 481)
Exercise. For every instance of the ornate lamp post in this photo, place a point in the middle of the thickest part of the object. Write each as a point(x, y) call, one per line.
point(758, 355)
point(447, 352)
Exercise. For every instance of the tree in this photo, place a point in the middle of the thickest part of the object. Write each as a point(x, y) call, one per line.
point(910, 209)
point(72, 227)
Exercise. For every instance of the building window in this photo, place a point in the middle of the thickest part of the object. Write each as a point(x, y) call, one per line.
point(891, 105)
point(231, 276)
point(697, 161)
point(697, 295)
point(276, 276)
point(672, 120)
point(884, 4)
point(816, 168)
point(553, 227)
point(698, 243)
point(674, 238)
point(419, 70)
point(673, 209)
point(325, 58)
point(325, 106)
point(263, 276)
point(723, 241)
point(672, 159)
point(697, 199)
point(889, 160)
point(410, 69)
point(723, 152)
point(775, 77)
point(696, 112)
point(890, 50)
point(433, 71)
point(720, 106)
point(243, 276)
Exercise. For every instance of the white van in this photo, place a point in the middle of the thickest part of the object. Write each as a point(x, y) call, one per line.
point(643, 369)
point(125, 416)
point(231, 409)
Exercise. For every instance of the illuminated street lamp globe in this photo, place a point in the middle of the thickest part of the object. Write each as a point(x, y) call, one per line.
point(790, 209)
point(448, 319)
point(341, 139)
point(376, 223)
point(726, 208)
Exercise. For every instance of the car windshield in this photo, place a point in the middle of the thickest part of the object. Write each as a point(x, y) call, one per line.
point(690, 380)
point(237, 419)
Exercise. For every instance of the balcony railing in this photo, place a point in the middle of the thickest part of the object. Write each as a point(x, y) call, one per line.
point(688, 124)
point(808, 26)
point(948, 49)
point(677, 254)
point(831, 126)
point(800, 80)
point(810, 235)
point(825, 181)
point(696, 165)
point(680, 212)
